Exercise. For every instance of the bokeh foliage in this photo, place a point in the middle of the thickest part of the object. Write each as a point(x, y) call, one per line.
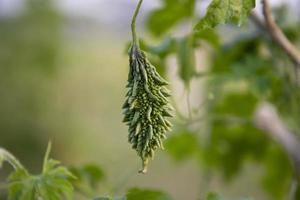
point(29, 51)
point(244, 71)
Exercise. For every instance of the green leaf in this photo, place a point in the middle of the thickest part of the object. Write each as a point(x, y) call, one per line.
point(235, 52)
point(215, 196)
point(182, 145)
point(186, 59)
point(297, 195)
point(209, 36)
point(282, 172)
point(144, 194)
point(166, 47)
point(110, 198)
point(52, 184)
point(237, 104)
point(88, 174)
point(164, 18)
point(225, 11)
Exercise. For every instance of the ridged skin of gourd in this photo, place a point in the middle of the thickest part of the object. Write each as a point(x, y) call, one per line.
point(146, 107)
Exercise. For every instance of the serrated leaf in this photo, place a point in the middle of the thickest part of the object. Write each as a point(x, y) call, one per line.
point(225, 11)
point(52, 184)
point(144, 194)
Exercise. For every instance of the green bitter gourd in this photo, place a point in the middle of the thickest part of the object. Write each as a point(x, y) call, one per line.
point(146, 106)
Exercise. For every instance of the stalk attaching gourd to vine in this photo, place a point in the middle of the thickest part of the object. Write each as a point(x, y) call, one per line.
point(146, 106)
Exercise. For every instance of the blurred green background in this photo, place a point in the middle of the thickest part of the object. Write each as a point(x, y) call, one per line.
point(63, 77)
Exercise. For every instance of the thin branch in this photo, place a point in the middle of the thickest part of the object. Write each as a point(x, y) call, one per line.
point(278, 36)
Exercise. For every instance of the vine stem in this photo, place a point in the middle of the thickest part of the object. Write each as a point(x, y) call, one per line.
point(11, 159)
point(133, 23)
point(46, 158)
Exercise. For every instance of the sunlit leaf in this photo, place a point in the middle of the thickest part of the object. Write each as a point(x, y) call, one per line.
point(225, 11)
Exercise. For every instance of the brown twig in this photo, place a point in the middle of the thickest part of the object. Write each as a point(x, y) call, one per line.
point(278, 36)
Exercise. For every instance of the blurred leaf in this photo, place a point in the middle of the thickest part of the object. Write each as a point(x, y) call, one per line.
point(233, 137)
point(233, 141)
point(157, 54)
point(29, 53)
point(160, 65)
point(282, 172)
point(224, 11)
point(209, 36)
point(235, 52)
point(88, 174)
point(162, 50)
point(297, 194)
point(186, 59)
point(237, 104)
point(120, 198)
point(172, 11)
point(52, 184)
point(144, 194)
point(103, 198)
point(166, 47)
point(281, 14)
point(182, 145)
point(215, 196)
point(231, 144)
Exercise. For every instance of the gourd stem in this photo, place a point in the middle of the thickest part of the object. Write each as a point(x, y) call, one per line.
point(145, 166)
point(133, 23)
